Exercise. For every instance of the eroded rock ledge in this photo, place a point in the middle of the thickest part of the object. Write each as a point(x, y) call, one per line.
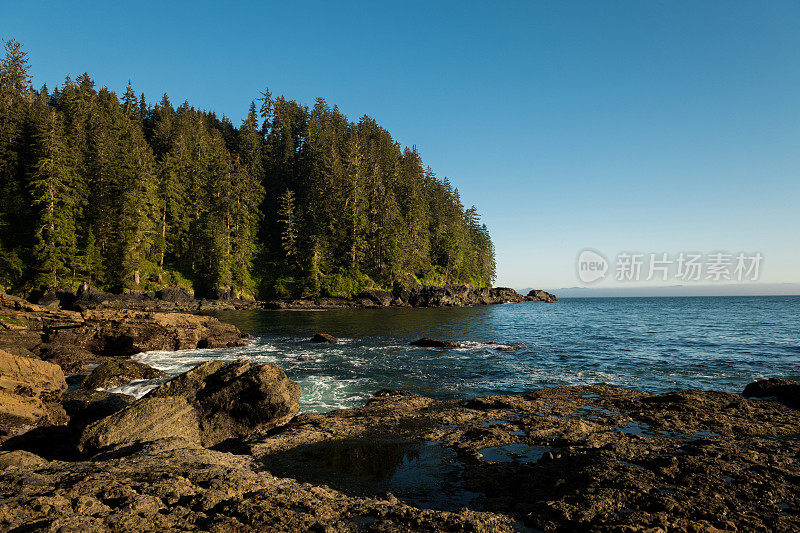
point(71, 338)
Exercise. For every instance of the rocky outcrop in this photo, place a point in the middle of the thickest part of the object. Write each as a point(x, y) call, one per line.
point(29, 394)
point(167, 299)
point(72, 359)
point(324, 337)
point(207, 405)
point(537, 295)
point(415, 295)
point(19, 459)
point(408, 293)
point(782, 390)
point(72, 339)
point(427, 342)
point(118, 372)
point(127, 332)
point(174, 485)
point(585, 458)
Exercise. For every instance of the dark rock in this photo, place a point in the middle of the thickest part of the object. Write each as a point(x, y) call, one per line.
point(84, 406)
point(376, 297)
point(27, 329)
point(209, 404)
point(537, 295)
point(118, 372)
point(127, 332)
point(50, 299)
point(174, 485)
point(324, 337)
point(427, 342)
point(395, 393)
point(175, 294)
point(784, 390)
point(71, 359)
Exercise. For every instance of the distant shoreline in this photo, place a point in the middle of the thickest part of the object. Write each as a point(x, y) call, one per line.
point(743, 289)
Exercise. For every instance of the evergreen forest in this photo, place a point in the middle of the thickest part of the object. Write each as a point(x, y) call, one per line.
point(132, 195)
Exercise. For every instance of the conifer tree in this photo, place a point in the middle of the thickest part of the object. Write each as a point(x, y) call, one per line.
point(53, 190)
point(289, 227)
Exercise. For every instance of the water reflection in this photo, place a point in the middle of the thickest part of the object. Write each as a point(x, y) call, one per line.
point(425, 474)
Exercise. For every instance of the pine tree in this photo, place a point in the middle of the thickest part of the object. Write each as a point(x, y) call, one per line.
point(288, 222)
point(14, 201)
point(136, 225)
point(52, 187)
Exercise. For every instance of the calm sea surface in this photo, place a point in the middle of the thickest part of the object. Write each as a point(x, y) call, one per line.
point(655, 344)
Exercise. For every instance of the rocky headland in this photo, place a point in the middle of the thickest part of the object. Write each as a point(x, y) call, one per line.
point(182, 300)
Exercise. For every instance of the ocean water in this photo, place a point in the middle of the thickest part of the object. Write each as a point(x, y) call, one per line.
point(654, 344)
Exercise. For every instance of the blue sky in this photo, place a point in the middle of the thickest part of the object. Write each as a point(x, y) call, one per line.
point(658, 126)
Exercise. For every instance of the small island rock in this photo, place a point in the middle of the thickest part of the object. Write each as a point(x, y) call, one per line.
point(427, 342)
point(324, 337)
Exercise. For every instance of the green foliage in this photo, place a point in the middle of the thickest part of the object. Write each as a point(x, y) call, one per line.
point(293, 202)
point(346, 285)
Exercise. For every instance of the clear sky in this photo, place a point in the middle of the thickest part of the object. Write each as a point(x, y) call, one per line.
point(651, 126)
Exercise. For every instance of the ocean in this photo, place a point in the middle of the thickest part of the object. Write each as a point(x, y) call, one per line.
point(653, 344)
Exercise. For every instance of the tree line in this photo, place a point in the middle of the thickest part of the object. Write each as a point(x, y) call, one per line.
point(128, 195)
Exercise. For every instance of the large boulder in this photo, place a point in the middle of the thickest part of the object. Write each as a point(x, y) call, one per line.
point(118, 372)
point(209, 404)
point(19, 459)
point(29, 392)
point(785, 391)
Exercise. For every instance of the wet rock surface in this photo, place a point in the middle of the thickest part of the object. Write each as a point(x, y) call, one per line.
point(782, 390)
point(587, 458)
point(211, 403)
point(575, 458)
point(172, 485)
point(427, 342)
point(324, 337)
point(118, 372)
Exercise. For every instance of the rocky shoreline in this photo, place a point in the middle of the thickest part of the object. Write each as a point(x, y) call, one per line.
point(181, 300)
point(224, 447)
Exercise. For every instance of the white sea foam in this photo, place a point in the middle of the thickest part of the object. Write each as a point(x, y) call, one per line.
point(138, 388)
